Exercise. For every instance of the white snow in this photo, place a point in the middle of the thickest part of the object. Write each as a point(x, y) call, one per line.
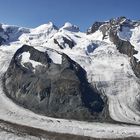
point(69, 27)
point(25, 58)
point(132, 35)
point(12, 32)
point(96, 36)
point(42, 28)
point(55, 56)
point(125, 34)
point(111, 73)
point(106, 69)
point(38, 35)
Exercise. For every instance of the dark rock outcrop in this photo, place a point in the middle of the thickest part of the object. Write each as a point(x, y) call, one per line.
point(125, 47)
point(95, 27)
point(2, 40)
point(66, 42)
point(57, 90)
point(110, 29)
point(11, 33)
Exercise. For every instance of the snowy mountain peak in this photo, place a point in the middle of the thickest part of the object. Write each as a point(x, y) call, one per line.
point(44, 28)
point(113, 23)
point(70, 27)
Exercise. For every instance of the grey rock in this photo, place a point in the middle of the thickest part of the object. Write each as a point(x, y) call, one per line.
point(57, 90)
point(2, 40)
point(11, 33)
point(110, 29)
point(94, 27)
point(66, 41)
point(125, 47)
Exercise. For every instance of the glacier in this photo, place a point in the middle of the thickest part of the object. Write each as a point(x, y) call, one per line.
point(107, 69)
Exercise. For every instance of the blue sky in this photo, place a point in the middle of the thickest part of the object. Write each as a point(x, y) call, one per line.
point(32, 13)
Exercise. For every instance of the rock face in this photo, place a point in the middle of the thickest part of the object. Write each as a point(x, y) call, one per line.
point(11, 33)
point(35, 81)
point(110, 28)
point(2, 40)
point(127, 48)
point(66, 42)
point(124, 46)
point(94, 27)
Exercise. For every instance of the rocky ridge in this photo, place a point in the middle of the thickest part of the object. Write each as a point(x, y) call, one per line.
point(56, 90)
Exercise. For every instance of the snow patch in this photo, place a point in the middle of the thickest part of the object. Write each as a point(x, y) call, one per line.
point(25, 58)
point(68, 26)
point(125, 34)
point(55, 57)
point(96, 36)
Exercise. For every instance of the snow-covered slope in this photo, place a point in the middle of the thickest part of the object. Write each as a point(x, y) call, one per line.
point(11, 33)
point(107, 69)
point(133, 35)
